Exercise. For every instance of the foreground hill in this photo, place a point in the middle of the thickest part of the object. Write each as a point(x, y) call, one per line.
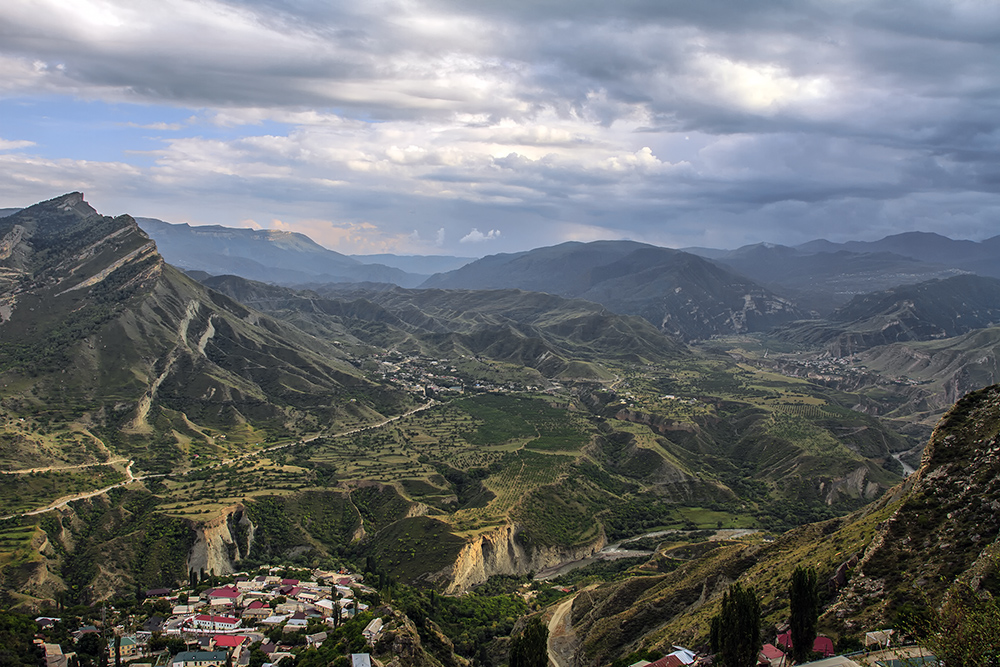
point(106, 346)
point(681, 294)
point(286, 258)
point(937, 530)
point(931, 310)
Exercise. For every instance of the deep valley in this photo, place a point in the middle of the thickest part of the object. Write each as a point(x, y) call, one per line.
point(448, 438)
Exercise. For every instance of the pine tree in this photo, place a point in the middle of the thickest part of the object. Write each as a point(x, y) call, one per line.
point(804, 598)
point(739, 627)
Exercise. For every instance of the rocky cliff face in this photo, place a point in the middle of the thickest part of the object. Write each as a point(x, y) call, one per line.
point(948, 524)
point(502, 552)
point(222, 542)
point(906, 550)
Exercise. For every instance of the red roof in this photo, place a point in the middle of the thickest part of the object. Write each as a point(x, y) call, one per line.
point(225, 592)
point(229, 641)
point(256, 604)
point(771, 652)
point(345, 581)
point(668, 661)
point(822, 644)
point(216, 619)
point(289, 582)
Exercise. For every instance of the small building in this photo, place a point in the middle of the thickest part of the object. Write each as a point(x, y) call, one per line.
point(686, 656)
point(84, 630)
point(667, 661)
point(256, 611)
point(217, 623)
point(316, 640)
point(129, 647)
point(153, 624)
point(822, 645)
point(881, 638)
point(276, 619)
point(327, 607)
point(372, 630)
point(771, 655)
point(361, 660)
point(836, 661)
point(200, 659)
point(228, 642)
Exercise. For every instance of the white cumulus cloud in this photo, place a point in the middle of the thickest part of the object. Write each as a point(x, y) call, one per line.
point(476, 236)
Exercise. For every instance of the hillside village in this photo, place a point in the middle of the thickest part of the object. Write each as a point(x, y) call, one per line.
point(246, 620)
point(272, 618)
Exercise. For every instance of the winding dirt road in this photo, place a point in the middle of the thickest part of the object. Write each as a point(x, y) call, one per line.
point(62, 502)
point(26, 471)
point(129, 477)
point(562, 638)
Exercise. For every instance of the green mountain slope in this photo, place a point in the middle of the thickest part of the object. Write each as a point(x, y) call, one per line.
point(555, 336)
point(930, 310)
point(679, 293)
point(109, 351)
point(896, 556)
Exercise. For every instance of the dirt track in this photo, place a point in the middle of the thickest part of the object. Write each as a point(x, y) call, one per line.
point(562, 638)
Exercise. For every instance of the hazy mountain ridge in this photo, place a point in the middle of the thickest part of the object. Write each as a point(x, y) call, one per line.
point(825, 279)
point(287, 258)
point(930, 310)
point(680, 293)
point(426, 265)
point(927, 247)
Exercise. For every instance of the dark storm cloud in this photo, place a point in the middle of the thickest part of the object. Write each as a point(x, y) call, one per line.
point(672, 121)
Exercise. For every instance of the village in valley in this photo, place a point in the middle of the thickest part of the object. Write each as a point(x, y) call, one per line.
point(272, 618)
point(239, 620)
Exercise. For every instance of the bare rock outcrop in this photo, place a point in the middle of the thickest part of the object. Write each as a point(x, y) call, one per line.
point(222, 542)
point(501, 551)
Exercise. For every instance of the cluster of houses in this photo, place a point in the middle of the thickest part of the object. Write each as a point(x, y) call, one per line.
point(221, 624)
point(879, 650)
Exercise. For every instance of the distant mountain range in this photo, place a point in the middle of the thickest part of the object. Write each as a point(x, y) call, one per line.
point(284, 258)
point(418, 264)
point(930, 310)
point(821, 275)
point(682, 294)
point(692, 294)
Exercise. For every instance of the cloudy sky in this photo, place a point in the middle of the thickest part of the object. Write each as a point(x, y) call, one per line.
point(473, 127)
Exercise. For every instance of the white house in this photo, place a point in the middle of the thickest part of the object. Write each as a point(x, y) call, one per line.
point(217, 623)
point(372, 629)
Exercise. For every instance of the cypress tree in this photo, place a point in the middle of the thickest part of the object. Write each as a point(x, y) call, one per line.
point(804, 598)
point(531, 649)
point(739, 627)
